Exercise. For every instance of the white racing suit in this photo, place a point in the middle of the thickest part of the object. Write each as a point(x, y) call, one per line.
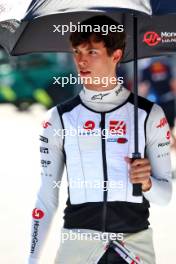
point(91, 134)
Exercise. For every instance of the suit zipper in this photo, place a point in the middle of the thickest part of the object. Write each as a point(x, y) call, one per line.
point(105, 192)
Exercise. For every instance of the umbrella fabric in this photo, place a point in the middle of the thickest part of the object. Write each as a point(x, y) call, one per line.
point(45, 7)
point(39, 29)
point(10, 9)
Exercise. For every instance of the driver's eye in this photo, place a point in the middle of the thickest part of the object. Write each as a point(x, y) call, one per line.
point(75, 52)
point(92, 52)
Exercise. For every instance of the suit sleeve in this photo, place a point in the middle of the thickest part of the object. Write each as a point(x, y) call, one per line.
point(52, 166)
point(158, 152)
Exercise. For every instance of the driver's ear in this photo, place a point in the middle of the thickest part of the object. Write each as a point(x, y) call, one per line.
point(117, 55)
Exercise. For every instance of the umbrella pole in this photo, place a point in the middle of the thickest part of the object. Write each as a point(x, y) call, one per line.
point(137, 188)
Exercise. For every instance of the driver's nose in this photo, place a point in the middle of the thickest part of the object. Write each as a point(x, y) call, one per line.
point(82, 61)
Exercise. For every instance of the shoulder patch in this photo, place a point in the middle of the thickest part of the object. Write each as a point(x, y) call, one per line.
point(68, 105)
point(143, 103)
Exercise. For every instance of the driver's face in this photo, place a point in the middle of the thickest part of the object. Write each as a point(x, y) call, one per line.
point(92, 60)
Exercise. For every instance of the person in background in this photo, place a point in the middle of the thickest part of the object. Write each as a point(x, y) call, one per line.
point(159, 85)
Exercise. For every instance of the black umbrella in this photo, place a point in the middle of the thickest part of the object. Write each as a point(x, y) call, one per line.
point(149, 25)
point(38, 30)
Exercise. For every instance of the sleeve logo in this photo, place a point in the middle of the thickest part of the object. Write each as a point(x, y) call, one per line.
point(37, 214)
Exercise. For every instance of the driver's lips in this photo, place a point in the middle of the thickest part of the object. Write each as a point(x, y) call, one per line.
point(84, 72)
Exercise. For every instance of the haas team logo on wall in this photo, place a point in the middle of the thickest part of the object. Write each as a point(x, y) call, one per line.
point(151, 38)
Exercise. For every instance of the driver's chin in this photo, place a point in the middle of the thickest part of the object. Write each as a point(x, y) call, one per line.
point(95, 87)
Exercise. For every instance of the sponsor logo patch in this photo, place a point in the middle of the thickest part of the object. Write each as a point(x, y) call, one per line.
point(89, 125)
point(44, 150)
point(122, 140)
point(164, 144)
point(162, 122)
point(99, 96)
point(37, 214)
point(117, 127)
point(44, 139)
point(35, 236)
point(168, 135)
point(46, 124)
point(45, 163)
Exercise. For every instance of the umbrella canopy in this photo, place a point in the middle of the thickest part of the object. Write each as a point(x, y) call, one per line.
point(46, 25)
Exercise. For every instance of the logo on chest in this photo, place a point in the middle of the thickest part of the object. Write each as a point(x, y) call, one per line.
point(89, 125)
point(117, 131)
point(117, 127)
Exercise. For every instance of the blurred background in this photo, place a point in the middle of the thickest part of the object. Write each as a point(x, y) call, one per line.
point(27, 90)
point(26, 80)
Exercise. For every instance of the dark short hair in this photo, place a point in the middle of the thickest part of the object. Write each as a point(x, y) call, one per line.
point(112, 41)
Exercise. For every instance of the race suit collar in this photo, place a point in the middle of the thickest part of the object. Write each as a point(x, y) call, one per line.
point(116, 95)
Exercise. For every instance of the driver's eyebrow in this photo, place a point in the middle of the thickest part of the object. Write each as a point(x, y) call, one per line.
point(85, 49)
point(74, 48)
point(93, 48)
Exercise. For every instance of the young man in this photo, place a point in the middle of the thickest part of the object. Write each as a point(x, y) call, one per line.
point(100, 171)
